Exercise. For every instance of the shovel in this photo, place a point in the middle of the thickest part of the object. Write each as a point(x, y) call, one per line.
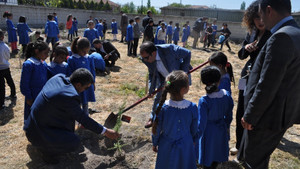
point(111, 120)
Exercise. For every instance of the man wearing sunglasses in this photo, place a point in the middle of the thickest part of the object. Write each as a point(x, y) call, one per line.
point(162, 60)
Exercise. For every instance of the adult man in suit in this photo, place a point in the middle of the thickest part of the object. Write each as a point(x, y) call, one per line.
point(272, 100)
point(123, 25)
point(199, 26)
point(50, 125)
point(162, 60)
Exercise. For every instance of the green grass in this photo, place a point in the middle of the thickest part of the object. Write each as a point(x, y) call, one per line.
point(129, 88)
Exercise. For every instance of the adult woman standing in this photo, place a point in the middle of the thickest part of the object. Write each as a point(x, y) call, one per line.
point(256, 38)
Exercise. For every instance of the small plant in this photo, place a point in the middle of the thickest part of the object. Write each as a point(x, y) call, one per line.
point(118, 146)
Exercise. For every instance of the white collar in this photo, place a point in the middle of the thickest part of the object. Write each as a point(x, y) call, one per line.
point(183, 104)
point(53, 64)
point(218, 94)
point(35, 61)
point(78, 56)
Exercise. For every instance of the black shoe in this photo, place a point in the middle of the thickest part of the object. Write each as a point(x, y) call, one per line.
point(12, 97)
point(49, 159)
point(148, 124)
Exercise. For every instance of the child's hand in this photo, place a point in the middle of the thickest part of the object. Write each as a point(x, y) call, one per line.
point(58, 36)
point(154, 148)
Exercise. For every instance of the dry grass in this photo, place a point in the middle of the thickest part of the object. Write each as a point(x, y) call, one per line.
point(111, 92)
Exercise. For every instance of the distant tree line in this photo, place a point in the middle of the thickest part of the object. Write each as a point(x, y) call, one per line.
point(131, 8)
point(72, 4)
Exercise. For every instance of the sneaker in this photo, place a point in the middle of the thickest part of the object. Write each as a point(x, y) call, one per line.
point(234, 151)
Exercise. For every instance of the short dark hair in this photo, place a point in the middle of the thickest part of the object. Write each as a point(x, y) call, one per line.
point(148, 12)
point(96, 41)
point(136, 18)
point(1, 34)
point(148, 47)
point(22, 19)
point(82, 76)
point(50, 17)
point(281, 6)
point(79, 44)
point(131, 21)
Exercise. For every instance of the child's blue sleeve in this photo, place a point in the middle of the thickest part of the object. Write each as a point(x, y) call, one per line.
point(28, 29)
point(155, 137)
point(202, 119)
point(25, 80)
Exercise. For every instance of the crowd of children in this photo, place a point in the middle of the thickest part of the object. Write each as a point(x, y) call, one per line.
point(181, 128)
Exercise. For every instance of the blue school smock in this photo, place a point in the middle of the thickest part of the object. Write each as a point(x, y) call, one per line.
point(33, 79)
point(91, 34)
point(99, 28)
point(225, 83)
point(76, 62)
point(214, 122)
point(184, 35)
point(98, 61)
point(129, 33)
point(175, 135)
point(11, 30)
point(114, 28)
point(55, 68)
point(51, 29)
point(176, 34)
point(188, 30)
point(75, 25)
point(51, 123)
point(169, 30)
point(23, 30)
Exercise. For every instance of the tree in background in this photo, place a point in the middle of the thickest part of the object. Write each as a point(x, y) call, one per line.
point(129, 8)
point(101, 5)
point(107, 6)
point(243, 5)
point(178, 5)
point(149, 4)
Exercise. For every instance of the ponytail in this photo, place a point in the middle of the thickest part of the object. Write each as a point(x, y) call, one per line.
point(58, 49)
point(229, 70)
point(6, 14)
point(161, 103)
point(74, 45)
point(31, 47)
point(211, 88)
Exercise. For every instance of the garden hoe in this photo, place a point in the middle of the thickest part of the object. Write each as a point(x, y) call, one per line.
point(111, 120)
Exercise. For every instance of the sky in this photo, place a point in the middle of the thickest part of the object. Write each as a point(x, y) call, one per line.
point(225, 4)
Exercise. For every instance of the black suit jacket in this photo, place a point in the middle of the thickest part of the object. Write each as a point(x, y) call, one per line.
point(272, 99)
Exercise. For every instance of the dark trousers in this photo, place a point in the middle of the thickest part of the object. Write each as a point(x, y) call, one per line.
point(24, 49)
point(257, 145)
point(170, 38)
point(239, 114)
point(130, 47)
point(227, 44)
point(5, 74)
point(52, 40)
point(135, 45)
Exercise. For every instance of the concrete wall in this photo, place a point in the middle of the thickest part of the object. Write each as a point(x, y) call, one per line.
point(37, 16)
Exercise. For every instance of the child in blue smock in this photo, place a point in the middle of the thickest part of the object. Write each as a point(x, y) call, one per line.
point(188, 30)
point(23, 30)
point(34, 73)
point(114, 29)
point(58, 60)
point(129, 37)
point(99, 28)
point(75, 26)
point(12, 32)
point(80, 59)
point(175, 126)
point(51, 31)
point(219, 59)
point(176, 34)
point(169, 32)
point(184, 35)
point(91, 33)
point(215, 110)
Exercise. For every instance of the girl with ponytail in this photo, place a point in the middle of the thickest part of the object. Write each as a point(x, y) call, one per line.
point(219, 59)
point(175, 126)
point(34, 73)
point(215, 110)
